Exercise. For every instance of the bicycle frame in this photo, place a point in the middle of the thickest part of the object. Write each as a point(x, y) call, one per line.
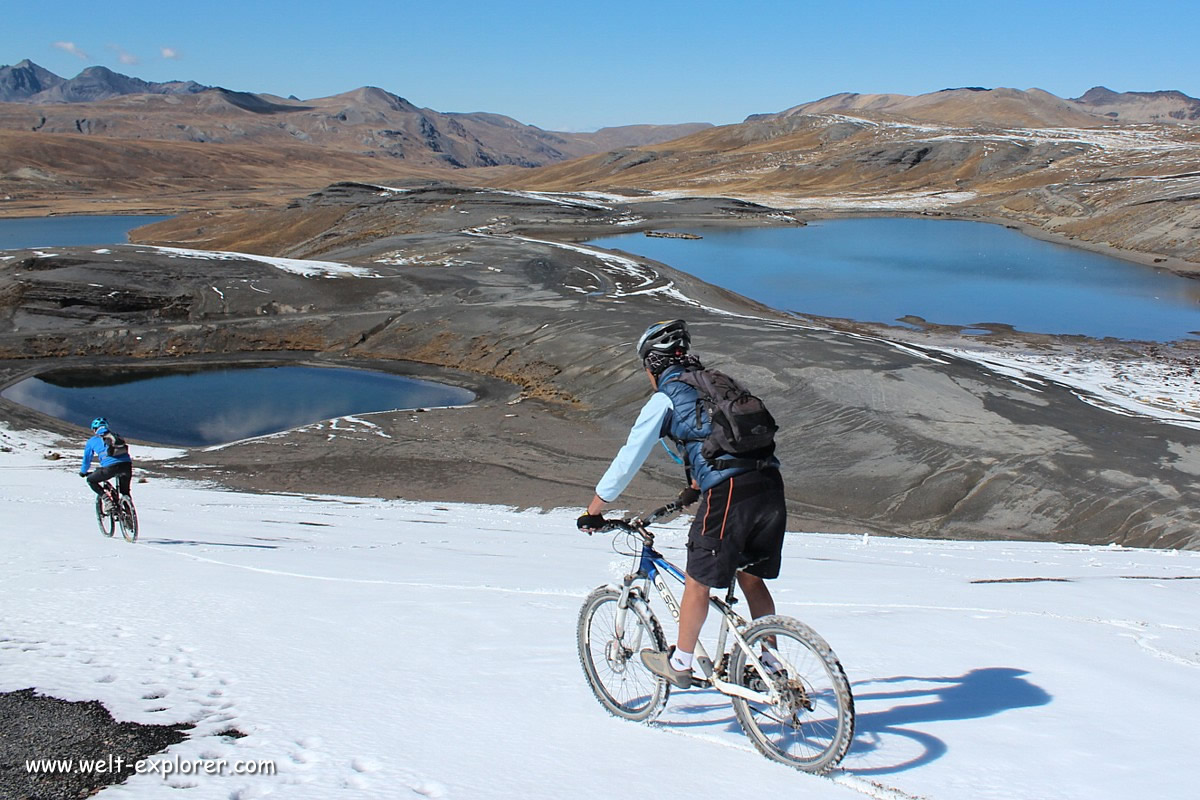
point(651, 568)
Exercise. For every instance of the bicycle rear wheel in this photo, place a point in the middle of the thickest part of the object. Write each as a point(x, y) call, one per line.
point(812, 724)
point(613, 664)
point(127, 515)
point(107, 522)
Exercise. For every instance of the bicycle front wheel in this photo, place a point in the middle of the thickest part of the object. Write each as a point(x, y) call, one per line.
point(612, 661)
point(107, 522)
point(811, 725)
point(127, 515)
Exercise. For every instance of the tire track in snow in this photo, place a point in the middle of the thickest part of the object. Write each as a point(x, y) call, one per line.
point(374, 581)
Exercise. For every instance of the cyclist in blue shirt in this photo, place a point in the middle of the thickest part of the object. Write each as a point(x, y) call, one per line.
point(739, 527)
point(113, 455)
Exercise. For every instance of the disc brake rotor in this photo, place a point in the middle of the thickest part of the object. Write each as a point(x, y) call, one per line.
point(617, 655)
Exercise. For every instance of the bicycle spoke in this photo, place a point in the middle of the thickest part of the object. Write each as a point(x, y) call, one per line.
point(613, 663)
point(107, 522)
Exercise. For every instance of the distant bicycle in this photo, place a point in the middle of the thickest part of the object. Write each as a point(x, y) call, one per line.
point(788, 689)
point(120, 512)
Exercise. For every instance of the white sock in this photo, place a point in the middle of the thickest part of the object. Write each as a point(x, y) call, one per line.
point(681, 661)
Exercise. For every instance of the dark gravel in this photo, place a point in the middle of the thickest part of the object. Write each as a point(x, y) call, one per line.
point(39, 727)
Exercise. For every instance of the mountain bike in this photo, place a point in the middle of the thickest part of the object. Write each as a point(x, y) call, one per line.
point(120, 512)
point(789, 692)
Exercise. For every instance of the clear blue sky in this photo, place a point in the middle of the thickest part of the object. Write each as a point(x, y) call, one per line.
point(568, 65)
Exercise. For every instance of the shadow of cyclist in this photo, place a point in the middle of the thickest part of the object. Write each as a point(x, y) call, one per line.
point(979, 693)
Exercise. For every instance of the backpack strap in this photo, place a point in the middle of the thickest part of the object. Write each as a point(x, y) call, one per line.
point(681, 455)
point(743, 463)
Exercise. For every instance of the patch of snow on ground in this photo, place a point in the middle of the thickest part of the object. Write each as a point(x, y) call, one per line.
point(562, 199)
point(298, 266)
point(892, 201)
point(395, 258)
point(1147, 388)
point(605, 197)
point(651, 281)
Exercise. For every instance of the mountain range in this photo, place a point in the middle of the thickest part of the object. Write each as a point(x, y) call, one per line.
point(1011, 107)
point(26, 82)
point(366, 121)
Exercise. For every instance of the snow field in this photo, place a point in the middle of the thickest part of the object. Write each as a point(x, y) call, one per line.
point(374, 648)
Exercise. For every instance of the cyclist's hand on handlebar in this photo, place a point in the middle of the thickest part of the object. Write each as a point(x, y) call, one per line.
point(83, 474)
point(590, 522)
point(687, 497)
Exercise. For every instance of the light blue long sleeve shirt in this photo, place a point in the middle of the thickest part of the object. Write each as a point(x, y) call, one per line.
point(646, 432)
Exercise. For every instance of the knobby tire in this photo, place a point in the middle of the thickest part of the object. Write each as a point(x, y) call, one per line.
point(812, 726)
point(127, 516)
point(613, 667)
point(107, 522)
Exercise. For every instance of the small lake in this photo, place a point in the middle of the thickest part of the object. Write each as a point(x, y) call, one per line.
point(945, 271)
point(219, 405)
point(18, 233)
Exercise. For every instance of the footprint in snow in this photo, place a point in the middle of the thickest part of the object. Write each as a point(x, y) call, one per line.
point(430, 789)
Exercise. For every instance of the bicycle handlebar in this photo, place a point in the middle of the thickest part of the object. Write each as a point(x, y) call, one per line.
point(638, 522)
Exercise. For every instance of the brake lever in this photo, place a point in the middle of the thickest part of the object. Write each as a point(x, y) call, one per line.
point(664, 514)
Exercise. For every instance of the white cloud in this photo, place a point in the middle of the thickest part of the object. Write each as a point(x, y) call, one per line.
point(70, 47)
point(169, 52)
point(123, 56)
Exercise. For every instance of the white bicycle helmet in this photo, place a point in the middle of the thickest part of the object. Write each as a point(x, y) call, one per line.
point(669, 337)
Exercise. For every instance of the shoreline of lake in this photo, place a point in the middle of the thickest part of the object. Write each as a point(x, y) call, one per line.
point(1178, 266)
point(953, 273)
point(140, 207)
point(196, 406)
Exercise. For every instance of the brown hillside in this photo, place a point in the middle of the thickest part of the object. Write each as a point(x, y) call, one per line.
point(74, 172)
point(994, 107)
point(367, 121)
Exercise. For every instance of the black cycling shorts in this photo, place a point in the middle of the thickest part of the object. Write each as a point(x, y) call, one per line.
point(739, 523)
point(121, 470)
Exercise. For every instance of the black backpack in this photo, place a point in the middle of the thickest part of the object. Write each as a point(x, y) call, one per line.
point(742, 426)
point(116, 445)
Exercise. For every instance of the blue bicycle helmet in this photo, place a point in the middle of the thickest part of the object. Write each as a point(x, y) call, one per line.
point(98, 423)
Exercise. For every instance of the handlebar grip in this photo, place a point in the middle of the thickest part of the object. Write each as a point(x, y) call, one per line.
point(634, 524)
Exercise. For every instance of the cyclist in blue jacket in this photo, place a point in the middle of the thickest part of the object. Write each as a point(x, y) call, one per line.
point(742, 514)
point(114, 458)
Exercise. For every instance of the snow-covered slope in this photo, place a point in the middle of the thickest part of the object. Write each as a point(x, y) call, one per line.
point(388, 649)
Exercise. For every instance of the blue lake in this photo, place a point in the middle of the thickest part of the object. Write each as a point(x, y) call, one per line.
point(219, 405)
point(943, 271)
point(69, 231)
